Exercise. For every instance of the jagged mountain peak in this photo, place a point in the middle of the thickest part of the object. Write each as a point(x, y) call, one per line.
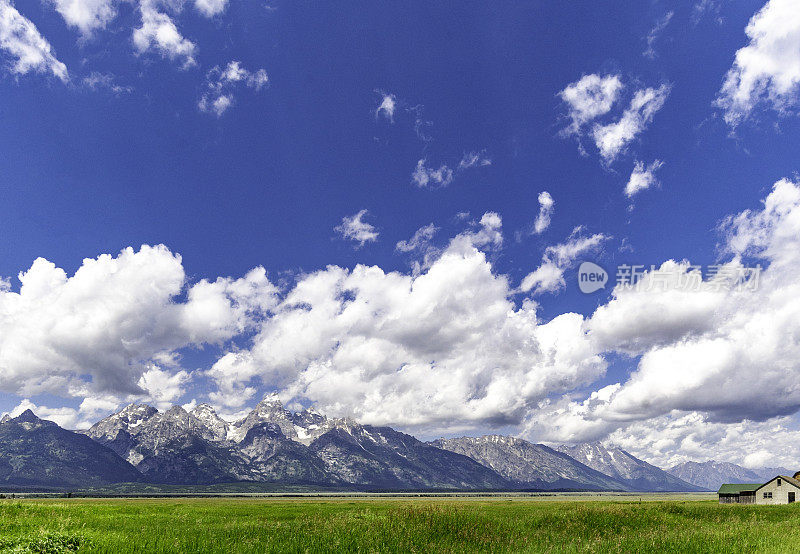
point(131, 415)
point(624, 466)
point(27, 417)
point(135, 412)
point(135, 407)
point(207, 415)
point(203, 408)
point(270, 401)
point(535, 465)
point(30, 420)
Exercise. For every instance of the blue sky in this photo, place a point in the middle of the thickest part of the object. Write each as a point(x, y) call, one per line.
point(121, 151)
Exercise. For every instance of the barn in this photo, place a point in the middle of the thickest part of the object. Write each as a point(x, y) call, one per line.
point(778, 490)
point(738, 493)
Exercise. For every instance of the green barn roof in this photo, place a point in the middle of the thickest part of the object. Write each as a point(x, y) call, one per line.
point(737, 488)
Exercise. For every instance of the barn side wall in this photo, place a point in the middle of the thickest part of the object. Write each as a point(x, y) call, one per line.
point(780, 494)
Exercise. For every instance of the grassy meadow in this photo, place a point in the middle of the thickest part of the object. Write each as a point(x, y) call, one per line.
point(552, 524)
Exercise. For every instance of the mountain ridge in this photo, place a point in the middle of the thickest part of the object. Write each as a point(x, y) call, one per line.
point(712, 474)
point(273, 445)
point(34, 451)
point(623, 466)
point(529, 464)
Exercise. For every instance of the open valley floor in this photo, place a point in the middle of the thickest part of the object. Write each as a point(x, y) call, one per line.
point(473, 523)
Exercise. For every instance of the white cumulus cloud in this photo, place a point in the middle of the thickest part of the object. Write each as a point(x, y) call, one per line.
point(612, 139)
point(210, 8)
point(591, 99)
point(159, 33)
point(30, 51)
point(705, 345)
point(387, 107)
point(588, 98)
point(86, 15)
point(767, 70)
point(443, 349)
point(100, 330)
point(642, 177)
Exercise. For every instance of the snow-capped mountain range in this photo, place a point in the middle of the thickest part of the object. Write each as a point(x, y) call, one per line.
point(274, 445)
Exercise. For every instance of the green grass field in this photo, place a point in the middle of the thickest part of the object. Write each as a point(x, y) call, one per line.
point(228, 525)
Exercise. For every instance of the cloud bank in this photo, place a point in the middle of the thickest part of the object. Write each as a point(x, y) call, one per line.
point(451, 346)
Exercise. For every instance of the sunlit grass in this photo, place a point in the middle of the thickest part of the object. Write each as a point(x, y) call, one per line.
point(389, 525)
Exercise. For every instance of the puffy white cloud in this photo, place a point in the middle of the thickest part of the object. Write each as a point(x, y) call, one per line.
point(210, 8)
point(546, 205)
point(654, 33)
point(707, 346)
point(767, 70)
point(356, 229)
point(20, 38)
point(222, 82)
point(387, 107)
point(677, 437)
point(548, 277)
point(592, 97)
point(96, 333)
point(487, 234)
point(86, 15)
point(613, 138)
point(680, 437)
point(446, 348)
point(163, 388)
point(93, 406)
point(589, 98)
point(159, 33)
point(642, 177)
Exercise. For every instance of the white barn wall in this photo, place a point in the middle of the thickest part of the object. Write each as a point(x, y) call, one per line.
point(780, 494)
